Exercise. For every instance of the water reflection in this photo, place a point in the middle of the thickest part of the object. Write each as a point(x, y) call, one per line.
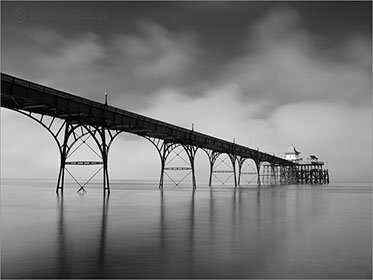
point(192, 236)
point(105, 207)
point(162, 243)
point(61, 238)
point(65, 248)
point(177, 239)
point(205, 233)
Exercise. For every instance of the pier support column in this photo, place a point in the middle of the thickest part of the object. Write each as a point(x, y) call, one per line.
point(273, 180)
point(233, 160)
point(104, 153)
point(212, 155)
point(285, 174)
point(63, 155)
point(240, 161)
point(258, 164)
point(191, 152)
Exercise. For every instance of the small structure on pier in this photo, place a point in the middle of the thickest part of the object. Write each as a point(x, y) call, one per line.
point(311, 171)
point(293, 155)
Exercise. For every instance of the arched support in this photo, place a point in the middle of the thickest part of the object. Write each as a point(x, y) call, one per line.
point(76, 133)
point(165, 149)
point(66, 148)
point(213, 156)
point(104, 139)
point(248, 170)
point(67, 133)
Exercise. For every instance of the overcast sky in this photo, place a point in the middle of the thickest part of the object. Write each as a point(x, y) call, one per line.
point(268, 74)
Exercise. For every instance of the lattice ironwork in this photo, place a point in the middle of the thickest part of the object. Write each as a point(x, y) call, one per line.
point(165, 150)
point(213, 157)
point(251, 169)
point(70, 136)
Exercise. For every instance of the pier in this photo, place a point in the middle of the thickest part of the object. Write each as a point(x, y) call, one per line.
point(311, 171)
point(83, 118)
point(305, 173)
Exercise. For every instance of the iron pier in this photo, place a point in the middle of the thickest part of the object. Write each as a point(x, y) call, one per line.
point(80, 119)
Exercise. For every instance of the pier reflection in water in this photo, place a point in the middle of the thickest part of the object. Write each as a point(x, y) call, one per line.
point(179, 233)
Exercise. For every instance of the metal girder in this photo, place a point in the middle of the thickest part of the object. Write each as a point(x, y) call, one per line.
point(83, 162)
point(177, 168)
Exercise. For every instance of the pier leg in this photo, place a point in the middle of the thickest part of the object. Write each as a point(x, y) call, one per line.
point(104, 154)
point(164, 149)
point(240, 160)
point(212, 155)
point(191, 152)
point(233, 160)
point(59, 178)
point(257, 164)
point(273, 175)
point(210, 175)
point(162, 173)
point(63, 155)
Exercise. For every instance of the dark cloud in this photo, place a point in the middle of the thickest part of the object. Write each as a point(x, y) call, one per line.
point(270, 50)
point(336, 19)
point(283, 65)
point(129, 67)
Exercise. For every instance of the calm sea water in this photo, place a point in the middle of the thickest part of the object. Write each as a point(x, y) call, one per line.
point(220, 232)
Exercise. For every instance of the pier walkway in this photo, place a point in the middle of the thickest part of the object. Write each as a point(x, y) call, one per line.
point(86, 118)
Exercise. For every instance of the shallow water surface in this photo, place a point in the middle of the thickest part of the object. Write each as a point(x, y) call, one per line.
point(139, 231)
